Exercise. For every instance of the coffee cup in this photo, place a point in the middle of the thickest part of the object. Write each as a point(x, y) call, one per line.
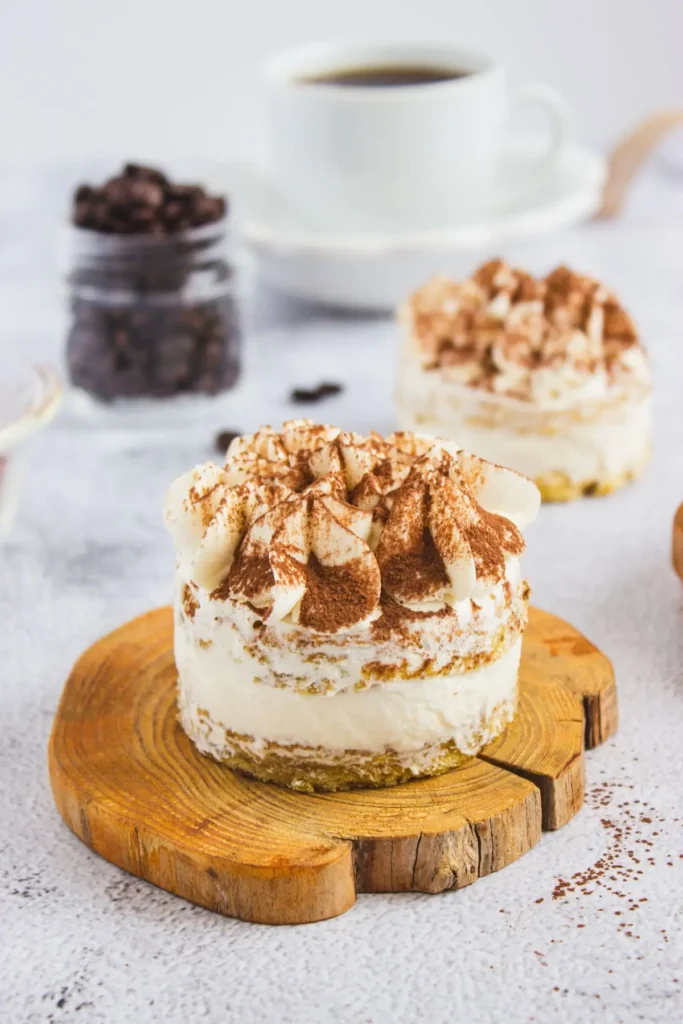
point(395, 137)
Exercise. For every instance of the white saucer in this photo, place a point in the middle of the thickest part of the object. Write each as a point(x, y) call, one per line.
point(373, 271)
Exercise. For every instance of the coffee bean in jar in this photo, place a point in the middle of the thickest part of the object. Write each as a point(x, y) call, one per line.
point(152, 290)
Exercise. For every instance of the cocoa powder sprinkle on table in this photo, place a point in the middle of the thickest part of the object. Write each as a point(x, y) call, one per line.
point(614, 874)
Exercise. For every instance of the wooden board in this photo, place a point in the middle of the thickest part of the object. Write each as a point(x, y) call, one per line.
point(130, 784)
point(677, 549)
point(634, 150)
point(554, 650)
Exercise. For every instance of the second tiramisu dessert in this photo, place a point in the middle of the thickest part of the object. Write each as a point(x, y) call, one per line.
point(546, 375)
point(349, 610)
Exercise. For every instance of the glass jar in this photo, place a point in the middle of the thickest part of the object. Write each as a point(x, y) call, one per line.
point(29, 398)
point(152, 319)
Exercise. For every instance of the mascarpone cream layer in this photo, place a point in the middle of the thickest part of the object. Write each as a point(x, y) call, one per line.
point(601, 439)
point(218, 692)
point(409, 644)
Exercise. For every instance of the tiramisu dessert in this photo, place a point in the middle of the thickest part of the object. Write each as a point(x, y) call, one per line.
point(349, 610)
point(546, 375)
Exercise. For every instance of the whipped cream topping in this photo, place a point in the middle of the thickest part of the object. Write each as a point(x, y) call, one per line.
point(315, 528)
point(562, 338)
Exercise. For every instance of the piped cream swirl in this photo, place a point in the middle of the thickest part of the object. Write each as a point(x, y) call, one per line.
point(311, 525)
point(551, 342)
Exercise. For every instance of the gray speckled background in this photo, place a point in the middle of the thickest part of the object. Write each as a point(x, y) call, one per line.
point(82, 941)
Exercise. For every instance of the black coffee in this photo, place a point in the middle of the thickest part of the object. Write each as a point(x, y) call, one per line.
point(386, 76)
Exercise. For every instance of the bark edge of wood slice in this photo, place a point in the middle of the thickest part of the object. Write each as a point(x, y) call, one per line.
point(132, 787)
point(677, 543)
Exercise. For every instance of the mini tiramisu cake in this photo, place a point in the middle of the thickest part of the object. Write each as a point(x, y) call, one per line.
point(349, 610)
point(546, 376)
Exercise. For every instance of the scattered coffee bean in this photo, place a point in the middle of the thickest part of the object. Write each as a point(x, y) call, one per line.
point(151, 316)
point(224, 439)
point(316, 394)
point(303, 395)
point(329, 389)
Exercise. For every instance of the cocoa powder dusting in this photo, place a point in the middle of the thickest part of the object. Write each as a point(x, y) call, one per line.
point(337, 596)
point(396, 618)
point(415, 574)
point(189, 602)
point(503, 317)
point(489, 538)
point(299, 475)
point(411, 566)
point(202, 499)
point(314, 485)
point(249, 575)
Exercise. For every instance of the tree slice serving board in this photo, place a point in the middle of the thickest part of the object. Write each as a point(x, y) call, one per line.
point(677, 547)
point(132, 786)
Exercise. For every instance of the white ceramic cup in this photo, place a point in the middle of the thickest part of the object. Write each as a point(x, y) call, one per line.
point(394, 157)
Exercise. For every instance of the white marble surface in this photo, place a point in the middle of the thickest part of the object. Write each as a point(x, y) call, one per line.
point(82, 941)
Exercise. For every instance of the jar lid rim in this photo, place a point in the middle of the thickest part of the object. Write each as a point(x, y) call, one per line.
point(110, 240)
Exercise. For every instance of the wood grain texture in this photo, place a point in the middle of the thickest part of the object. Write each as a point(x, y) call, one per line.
point(554, 651)
point(130, 784)
point(629, 156)
point(545, 745)
point(677, 546)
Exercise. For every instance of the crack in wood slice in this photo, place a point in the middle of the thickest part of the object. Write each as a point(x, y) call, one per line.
point(130, 784)
point(545, 745)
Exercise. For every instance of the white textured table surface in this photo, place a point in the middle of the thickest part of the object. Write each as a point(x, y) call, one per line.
point(82, 941)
